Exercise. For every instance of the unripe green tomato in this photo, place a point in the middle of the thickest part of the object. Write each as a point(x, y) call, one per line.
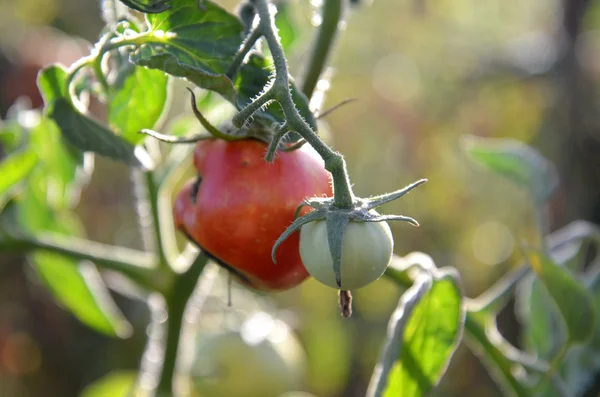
point(263, 360)
point(366, 252)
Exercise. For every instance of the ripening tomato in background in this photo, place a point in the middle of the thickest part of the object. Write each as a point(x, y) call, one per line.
point(243, 204)
point(263, 359)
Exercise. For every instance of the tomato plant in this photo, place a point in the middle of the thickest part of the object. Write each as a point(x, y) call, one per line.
point(271, 202)
point(239, 205)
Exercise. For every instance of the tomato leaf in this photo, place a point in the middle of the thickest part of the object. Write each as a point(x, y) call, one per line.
point(516, 161)
point(284, 20)
point(573, 301)
point(14, 168)
point(87, 134)
point(137, 102)
point(81, 131)
point(78, 286)
point(51, 190)
point(52, 82)
point(423, 334)
point(195, 43)
point(148, 6)
point(199, 43)
point(115, 384)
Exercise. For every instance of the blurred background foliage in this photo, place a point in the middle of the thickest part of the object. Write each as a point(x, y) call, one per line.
point(425, 73)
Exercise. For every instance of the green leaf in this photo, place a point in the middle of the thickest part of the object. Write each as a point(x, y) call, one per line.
point(516, 161)
point(536, 311)
point(115, 384)
point(423, 334)
point(199, 44)
point(137, 102)
point(78, 286)
point(52, 82)
point(574, 302)
point(148, 6)
point(65, 168)
point(194, 43)
point(87, 134)
point(14, 168)
point(284, 20)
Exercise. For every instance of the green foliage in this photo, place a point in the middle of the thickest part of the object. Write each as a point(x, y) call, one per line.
point(574, 302)
point(136, 102)
point(422, 336)
point(284, 20)
point(49, 192)
point(79, 130)
point(13, 169)
point(115, 384)
point(198, 44)
point(516, 161)
point(47, 164)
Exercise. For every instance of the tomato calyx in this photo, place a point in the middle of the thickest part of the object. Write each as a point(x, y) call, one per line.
point(338, 220)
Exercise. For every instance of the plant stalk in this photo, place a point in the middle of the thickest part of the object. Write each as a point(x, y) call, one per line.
point(135, 265)
point(334, 162)
point(176, 301)
point(331, 16)
point(153, 197)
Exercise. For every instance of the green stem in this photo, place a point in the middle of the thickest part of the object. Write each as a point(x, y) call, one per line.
point(176, 300)
point(334, 162)
point(153, 197)
point(238, 59)
point(492, 355)
point(332, 14)
point(136, 265)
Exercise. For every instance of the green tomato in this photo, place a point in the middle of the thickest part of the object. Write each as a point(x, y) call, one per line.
point(367, 249)
point(264, 359)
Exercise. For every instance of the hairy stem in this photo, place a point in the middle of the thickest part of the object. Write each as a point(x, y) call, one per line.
point(332, 14)
point(238, 59)
point(176, 300)
point(334, 162)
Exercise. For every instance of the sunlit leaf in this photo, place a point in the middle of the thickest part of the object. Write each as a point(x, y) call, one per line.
point(195, 43)
point(199, 43)
point(422, 336)
point(516, 161)
point(87, 134)
point(52, 83)
point(284, 20)
point(64, 167)
point(137, 102)
point(49, 193)
point(542, 332)
point(574, 302)
point(14, 168)
point(148, 6)
point(115, 384)
point(78, 286)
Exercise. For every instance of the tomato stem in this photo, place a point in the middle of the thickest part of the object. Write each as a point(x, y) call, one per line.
point(280, 91)
point(176, 302)
point(247, 45)
point(346, 303)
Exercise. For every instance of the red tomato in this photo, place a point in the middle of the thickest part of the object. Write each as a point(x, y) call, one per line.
point(243, 204)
